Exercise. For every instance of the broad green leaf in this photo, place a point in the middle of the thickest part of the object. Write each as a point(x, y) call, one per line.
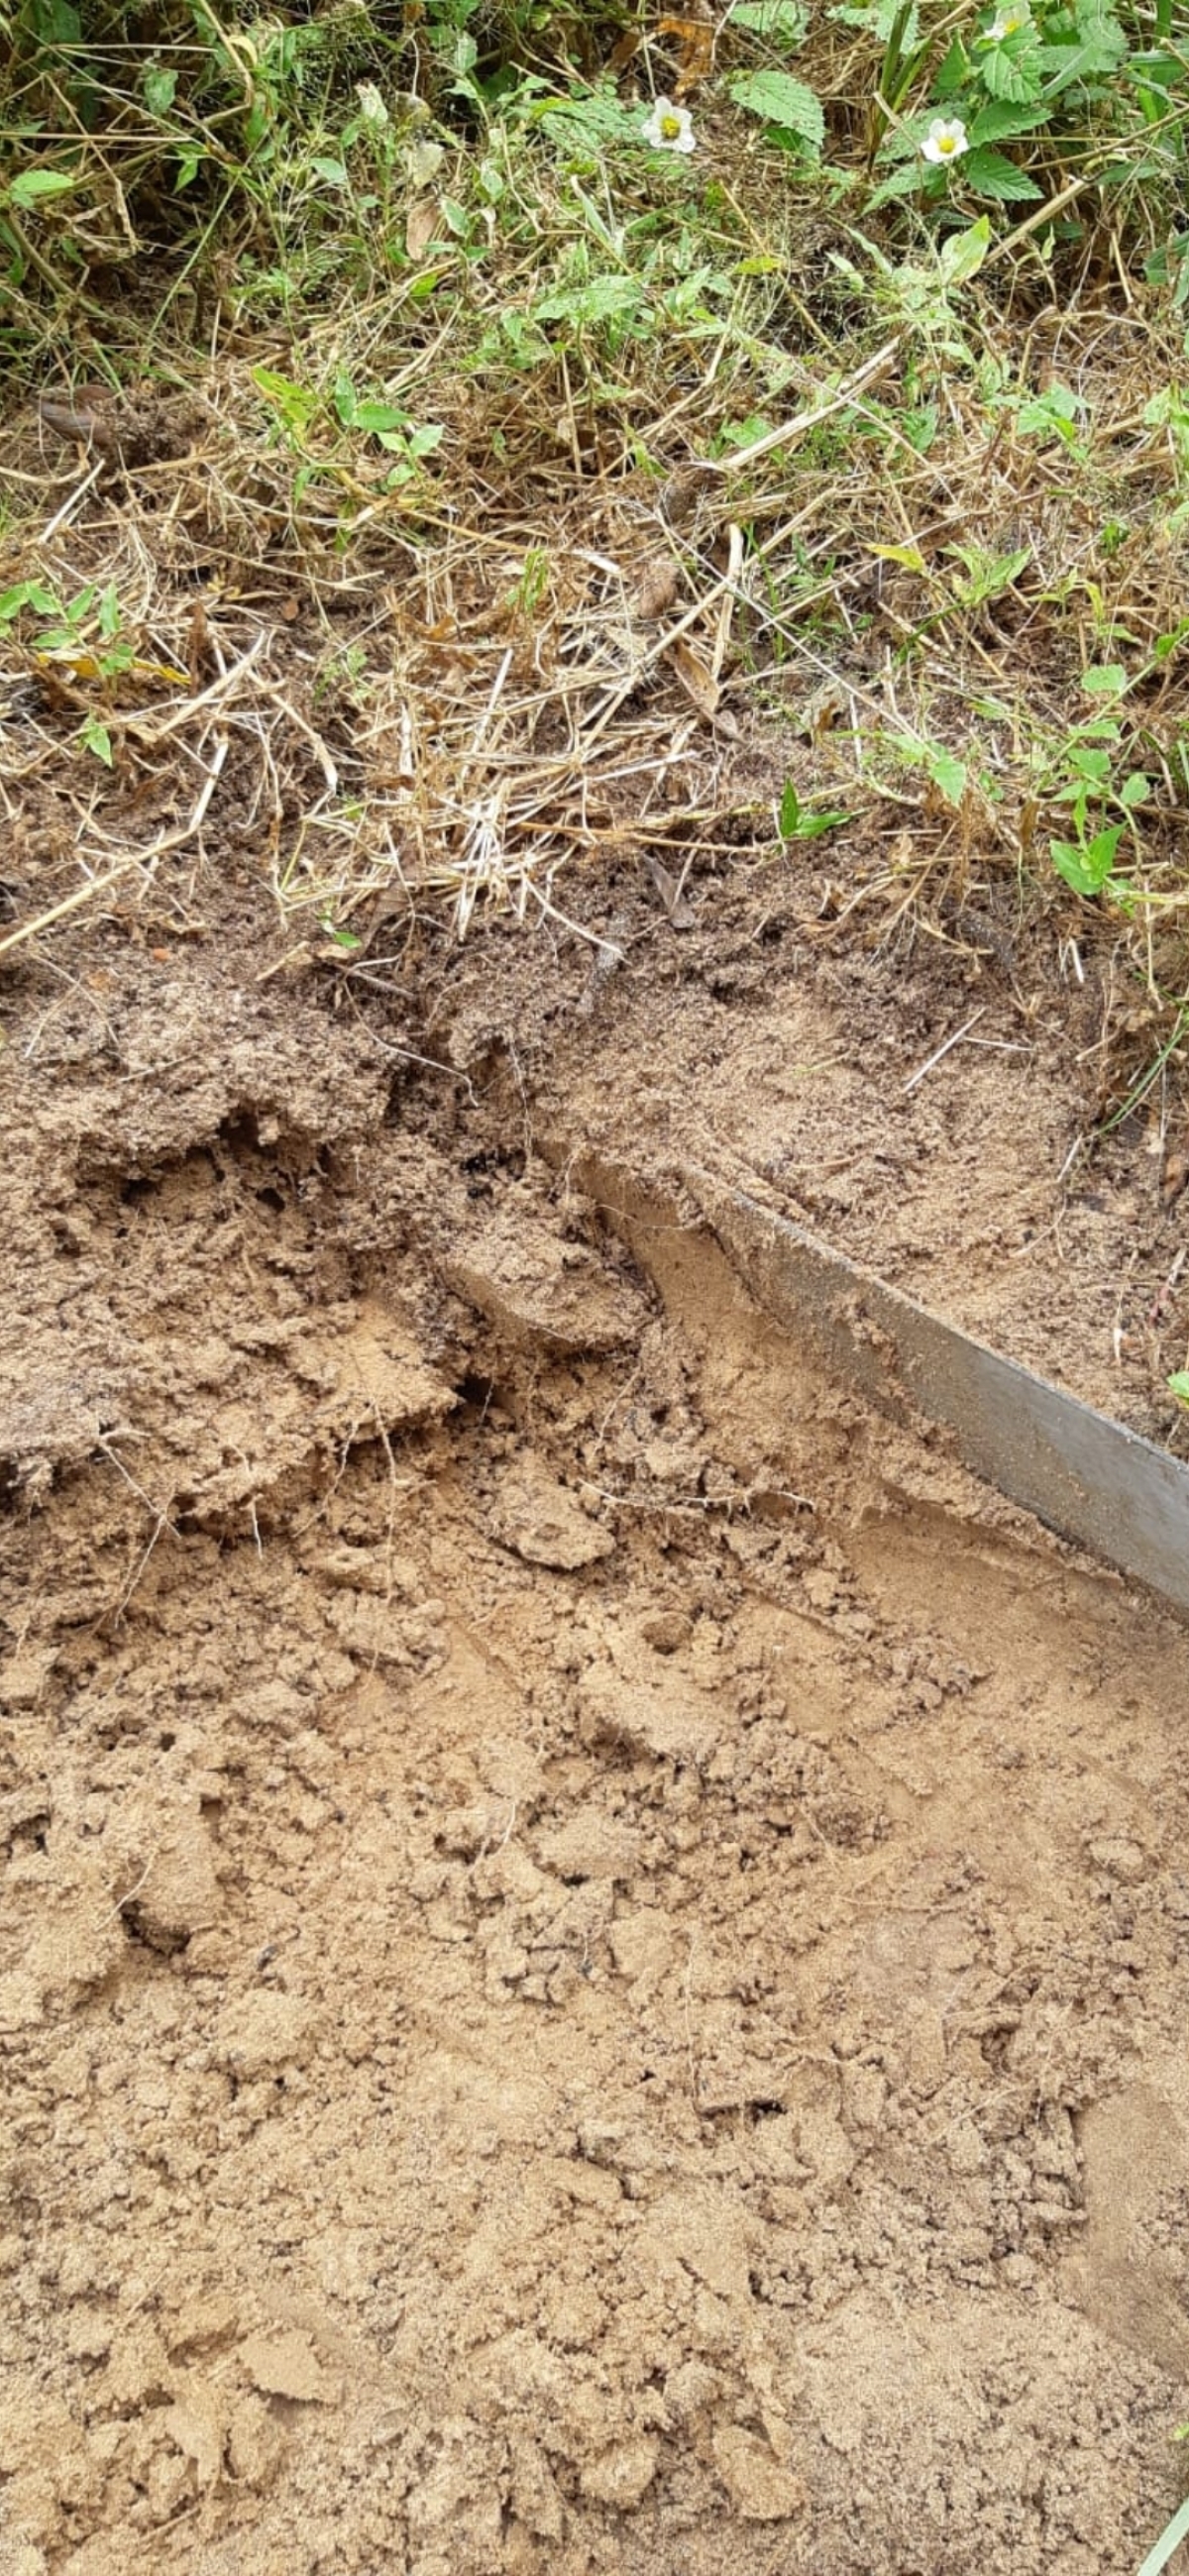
point(1178, 1385)
point(160, 89)
point(602, 299)
point(948, 774)
point(1104, 680)
point(56, 23)
point(962, 254)
point(334, 172)
point(781, 100)
point(1086, 866)
point(375, 417)
point(95, 738)
point(28, 594)
point(1135, 790)
point(1092, 765)
point(34, 187)
point(1055, 412)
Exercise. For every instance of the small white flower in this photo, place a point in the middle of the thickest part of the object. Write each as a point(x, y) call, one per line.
point(1008, 23)
point(669, 128)
point(946, 139)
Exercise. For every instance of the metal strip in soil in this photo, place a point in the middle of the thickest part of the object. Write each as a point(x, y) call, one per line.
point(1083, 1475)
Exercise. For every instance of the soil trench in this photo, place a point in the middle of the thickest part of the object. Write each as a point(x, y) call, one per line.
point(592, 1954)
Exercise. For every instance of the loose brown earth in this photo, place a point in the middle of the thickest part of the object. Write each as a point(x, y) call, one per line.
point(593, 1946)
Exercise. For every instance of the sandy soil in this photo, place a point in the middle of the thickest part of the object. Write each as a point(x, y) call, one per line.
point(592, 1951)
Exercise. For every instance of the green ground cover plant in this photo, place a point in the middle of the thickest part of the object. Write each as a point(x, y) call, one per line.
point(598, 383)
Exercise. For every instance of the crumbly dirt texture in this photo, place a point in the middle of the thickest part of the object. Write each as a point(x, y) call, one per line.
point(593, 1945)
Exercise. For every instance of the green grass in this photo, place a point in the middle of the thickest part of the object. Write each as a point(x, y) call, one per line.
point(428, 372)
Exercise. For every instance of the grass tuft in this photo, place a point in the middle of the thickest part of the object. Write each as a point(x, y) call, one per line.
point(419, 481)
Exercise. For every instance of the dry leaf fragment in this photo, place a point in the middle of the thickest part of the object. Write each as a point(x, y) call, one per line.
point(423, 160)
point(696, 678)
point(681, 913)
point(421, 223)
point(657, 590)
point(622, 53)
point(823, 709)
point(695, 50)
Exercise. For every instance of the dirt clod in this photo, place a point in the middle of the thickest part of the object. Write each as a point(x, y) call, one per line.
point(590, 1939)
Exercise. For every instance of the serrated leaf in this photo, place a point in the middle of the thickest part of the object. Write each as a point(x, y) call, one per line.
point(781, 100)
point(1004, 77)
point(1000, 124)
point(953, 71)
point(782, 22)
point(1104, 680)
point(991, 174)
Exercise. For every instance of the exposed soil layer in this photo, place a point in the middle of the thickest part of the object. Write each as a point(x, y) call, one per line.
point(593, 1948)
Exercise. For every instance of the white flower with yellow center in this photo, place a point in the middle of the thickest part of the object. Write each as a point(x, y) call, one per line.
point(946, 140)
point(1008, 23)
point(669, 128)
